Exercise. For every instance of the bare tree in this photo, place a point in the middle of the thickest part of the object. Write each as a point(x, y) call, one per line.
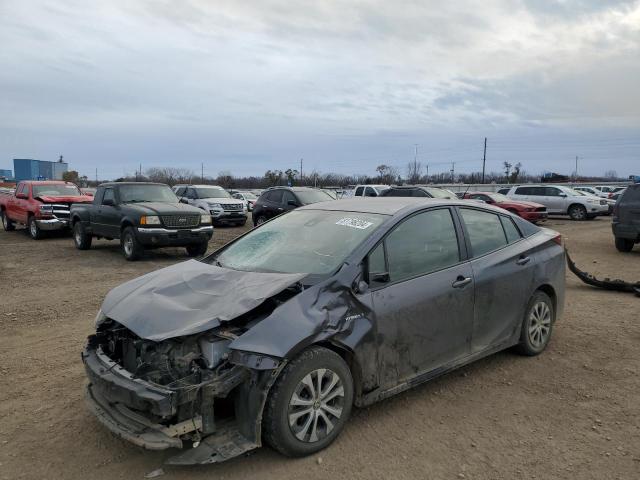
point(273, 177)
point(611, 175)
point(507, 170)
point(225, 179)
point(414, 172)
point(291, 175)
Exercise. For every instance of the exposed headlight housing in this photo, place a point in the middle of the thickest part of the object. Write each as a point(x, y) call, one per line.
point(100, 317)
point(215, 205)
point(46, 209)
point(150, 220)
point(205, 219)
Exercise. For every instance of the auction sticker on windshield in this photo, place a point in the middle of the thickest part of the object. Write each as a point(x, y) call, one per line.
point(354, 223)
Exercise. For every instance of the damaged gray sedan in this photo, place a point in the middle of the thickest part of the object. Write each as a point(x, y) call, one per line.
point(276, 335)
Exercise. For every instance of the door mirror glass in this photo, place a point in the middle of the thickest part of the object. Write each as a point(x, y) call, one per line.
point(108, 202)
point(292, 203)
point(20, 195)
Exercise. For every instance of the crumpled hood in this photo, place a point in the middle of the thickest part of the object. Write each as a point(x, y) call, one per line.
point(189, 298)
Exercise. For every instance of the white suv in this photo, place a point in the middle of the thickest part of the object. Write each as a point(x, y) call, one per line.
point(224, 209)
point(369, 190)
point(561, 200)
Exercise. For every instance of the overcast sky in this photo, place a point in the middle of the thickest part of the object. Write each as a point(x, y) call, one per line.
point(246, 86)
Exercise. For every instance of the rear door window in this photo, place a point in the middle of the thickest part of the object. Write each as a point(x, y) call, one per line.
point(275, 196)
point(421, 244)
point(510, 230)
point(180, 191)
point(484, 230)
point(359, 191)
point(370, 192)
point(287, 197)
point(523, 191)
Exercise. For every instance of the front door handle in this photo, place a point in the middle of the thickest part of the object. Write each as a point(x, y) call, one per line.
point(461, 282)
point(280, 209)
point(523, 260)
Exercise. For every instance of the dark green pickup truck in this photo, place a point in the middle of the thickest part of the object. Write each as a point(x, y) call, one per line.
point(140, 215)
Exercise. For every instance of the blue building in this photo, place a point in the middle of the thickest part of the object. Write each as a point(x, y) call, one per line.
point(31, 169)
point(8, 174)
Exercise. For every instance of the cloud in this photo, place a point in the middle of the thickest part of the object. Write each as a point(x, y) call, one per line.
point(204, 79)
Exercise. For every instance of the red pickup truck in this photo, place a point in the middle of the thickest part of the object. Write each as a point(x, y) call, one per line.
point(40, 205)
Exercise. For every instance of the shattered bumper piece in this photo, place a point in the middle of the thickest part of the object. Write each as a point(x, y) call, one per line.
point(607, 283)
point(128, 426)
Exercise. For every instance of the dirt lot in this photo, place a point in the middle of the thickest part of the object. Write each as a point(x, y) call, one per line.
point(573, 412)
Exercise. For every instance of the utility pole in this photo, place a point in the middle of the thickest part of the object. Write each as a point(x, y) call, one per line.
point(427, 173)
point(576, 179)
point(453, 172)
point(96, 177)
point(484, 158)
point(301, 171)
point(202, 172)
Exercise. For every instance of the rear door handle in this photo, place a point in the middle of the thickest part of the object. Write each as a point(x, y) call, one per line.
point(461, 282)
point(523, 260)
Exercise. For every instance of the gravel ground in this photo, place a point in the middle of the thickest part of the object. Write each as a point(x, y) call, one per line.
point(572, 412)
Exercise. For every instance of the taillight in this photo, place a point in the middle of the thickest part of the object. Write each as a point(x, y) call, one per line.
point(558, 239)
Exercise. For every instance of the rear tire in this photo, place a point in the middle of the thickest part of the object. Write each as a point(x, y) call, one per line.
point(81, 238)
point(7, 224)
point(537, 325)
point(260, 220)
point(300, 418)
point(197, 250)
point(577, 212)
point(34, 230)
point(131, 247)
point(624, 244)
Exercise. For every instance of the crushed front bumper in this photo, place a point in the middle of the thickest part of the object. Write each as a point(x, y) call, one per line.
point(145, 414)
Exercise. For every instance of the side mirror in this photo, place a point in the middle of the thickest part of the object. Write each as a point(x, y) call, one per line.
point(21, 195)
point(490, 202)
point(382, 277)
point(563, 195)
point(183, 200)
point(293, 203)
point(109, 202)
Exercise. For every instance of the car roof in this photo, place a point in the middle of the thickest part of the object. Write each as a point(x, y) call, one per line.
point(387, 205)
point(115, 184)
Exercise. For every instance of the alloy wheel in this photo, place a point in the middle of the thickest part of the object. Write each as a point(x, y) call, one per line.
point(128, 245)
point(539, 324)
point(33, 229)
point(316, 403)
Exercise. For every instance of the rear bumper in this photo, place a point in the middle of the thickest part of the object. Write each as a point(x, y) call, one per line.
point(52, 224)
point(167, 237)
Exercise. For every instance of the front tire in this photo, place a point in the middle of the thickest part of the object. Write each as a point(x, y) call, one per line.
point(197, 250)
point(577, 212)
point(624, 244)
point(7, 224)
point(131, 247)
point(260, 220)
point(309, 404)
point(537, 325)
point(34, 230)
point(81, 238)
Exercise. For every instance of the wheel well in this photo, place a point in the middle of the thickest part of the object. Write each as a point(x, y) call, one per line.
point(576, 205)
point(551, 293)
point(349, 358)
point(125, 224)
